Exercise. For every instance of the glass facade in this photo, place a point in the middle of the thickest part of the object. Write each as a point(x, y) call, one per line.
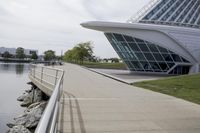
point(143, 56)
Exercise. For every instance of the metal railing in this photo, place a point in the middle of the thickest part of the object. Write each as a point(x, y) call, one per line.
point(136, 17)
point(49, 121)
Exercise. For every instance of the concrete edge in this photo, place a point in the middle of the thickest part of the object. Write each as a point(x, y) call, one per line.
point(42, 87)
point(108, 75)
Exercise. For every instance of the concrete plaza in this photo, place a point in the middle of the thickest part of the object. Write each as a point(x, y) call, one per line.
point(94, 103)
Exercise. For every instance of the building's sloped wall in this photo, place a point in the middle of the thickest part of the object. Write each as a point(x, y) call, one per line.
point(158, 35)
point(144, 56)
point(190, 42)
point(160, 38)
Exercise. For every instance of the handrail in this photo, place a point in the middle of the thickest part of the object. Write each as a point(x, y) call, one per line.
point(48, 122)
point(136, 17)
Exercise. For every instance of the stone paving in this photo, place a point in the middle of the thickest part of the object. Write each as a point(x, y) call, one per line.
point(94, 103)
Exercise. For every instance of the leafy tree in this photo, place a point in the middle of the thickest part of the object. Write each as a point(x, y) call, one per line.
point(34, 56)
point(49, 55)
point(85, 51)
point(68, 56)
point(20, 53)
point(81, 52)
point(6, 54)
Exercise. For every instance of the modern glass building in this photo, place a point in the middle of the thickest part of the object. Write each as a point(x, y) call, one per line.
point(163, 38)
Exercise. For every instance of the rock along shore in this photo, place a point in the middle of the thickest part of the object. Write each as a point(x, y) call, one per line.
point(35, 102)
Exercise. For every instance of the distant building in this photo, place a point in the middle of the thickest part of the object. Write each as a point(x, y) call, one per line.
point(12, 51)
point(41, 58)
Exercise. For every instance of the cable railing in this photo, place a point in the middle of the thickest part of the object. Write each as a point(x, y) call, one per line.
point(143, 11)
point(51, 78)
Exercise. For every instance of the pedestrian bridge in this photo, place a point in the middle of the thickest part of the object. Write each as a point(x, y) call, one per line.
point(83, 101)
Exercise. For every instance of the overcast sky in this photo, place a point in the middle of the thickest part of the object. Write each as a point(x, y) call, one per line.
point(55, 24)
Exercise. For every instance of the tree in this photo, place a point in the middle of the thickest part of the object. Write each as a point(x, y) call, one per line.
point(115, 60)
point(85, 51)
point(68, 56)
point(20, 53)
point(49, 55)
point(34, 56)
point(59, 58)
point(6, 54)
point(81, 52)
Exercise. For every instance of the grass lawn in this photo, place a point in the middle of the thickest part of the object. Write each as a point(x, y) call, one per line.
point(105, 65)
point(186, 87)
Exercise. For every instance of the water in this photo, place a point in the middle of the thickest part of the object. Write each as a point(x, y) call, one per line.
point(13, 79)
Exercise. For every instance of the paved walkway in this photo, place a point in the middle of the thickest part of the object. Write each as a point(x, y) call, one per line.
point(97, 104)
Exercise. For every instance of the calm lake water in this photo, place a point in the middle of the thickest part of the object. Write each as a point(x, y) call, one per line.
point(13, 79)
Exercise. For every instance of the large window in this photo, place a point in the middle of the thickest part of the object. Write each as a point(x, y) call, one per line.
point(141, 55)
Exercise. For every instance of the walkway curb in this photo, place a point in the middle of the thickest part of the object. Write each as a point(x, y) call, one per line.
point(108, 75)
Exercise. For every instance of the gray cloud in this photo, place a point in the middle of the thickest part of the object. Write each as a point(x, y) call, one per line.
point(113, 10)
point(55, 24)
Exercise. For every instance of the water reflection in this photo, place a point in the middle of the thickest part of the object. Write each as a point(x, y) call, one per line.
point(5, 66)
point(13, 79)
point(18, 68)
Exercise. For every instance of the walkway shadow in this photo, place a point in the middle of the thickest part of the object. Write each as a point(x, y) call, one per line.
point(74, 109)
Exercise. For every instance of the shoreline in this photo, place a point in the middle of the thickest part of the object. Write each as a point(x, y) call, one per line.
point(15, 61)
point(34, 101)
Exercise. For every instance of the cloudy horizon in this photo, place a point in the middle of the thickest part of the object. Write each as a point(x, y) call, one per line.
point(55, 24)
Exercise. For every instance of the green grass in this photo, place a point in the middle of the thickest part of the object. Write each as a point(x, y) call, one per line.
point(105, 65)
point(186, 87)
